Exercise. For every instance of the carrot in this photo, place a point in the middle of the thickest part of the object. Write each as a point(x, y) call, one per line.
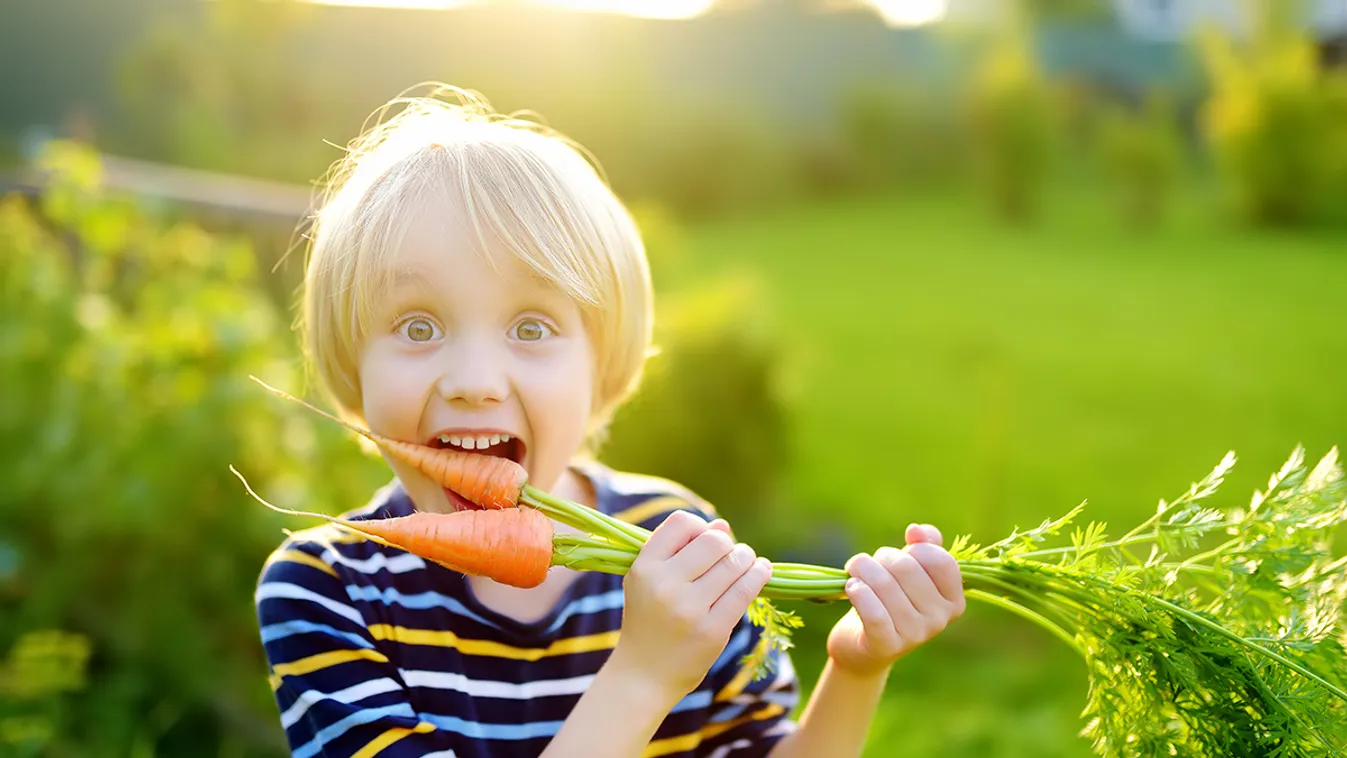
point(512, 546)
point(487, 480)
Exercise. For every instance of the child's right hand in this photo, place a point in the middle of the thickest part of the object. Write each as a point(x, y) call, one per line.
point(685, 592)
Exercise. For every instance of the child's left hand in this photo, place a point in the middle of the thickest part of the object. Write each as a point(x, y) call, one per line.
point(899, 600)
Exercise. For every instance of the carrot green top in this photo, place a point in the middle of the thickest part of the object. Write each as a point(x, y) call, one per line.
point(371, 647)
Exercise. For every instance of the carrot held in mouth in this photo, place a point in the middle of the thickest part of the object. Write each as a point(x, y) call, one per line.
point(485, 480)
point(488, 481)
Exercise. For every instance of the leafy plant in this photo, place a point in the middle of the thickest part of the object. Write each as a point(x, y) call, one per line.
point(125, 342)
point(1196, 650)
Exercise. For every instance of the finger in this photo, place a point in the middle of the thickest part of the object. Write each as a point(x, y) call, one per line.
point(721, 524)
point(918, 533)
point(734, 601)
point(913, 580)
point(880, 632)
point(675, 532)
point(699, 555)
point(942, 568)
point(720, 577)
point(902, 613)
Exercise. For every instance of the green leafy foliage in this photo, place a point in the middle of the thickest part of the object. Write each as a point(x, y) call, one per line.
point(125, 346)
point(1227, 650)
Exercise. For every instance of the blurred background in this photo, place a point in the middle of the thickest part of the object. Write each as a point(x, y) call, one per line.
point(967, 262)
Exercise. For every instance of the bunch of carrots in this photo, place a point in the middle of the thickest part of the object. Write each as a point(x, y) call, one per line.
point(1237, 649)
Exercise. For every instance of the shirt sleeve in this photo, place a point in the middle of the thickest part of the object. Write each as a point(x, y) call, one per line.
point(747, 717)
point(338, 695)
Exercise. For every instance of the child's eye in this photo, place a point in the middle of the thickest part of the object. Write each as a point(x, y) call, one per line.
point(531, 330)
point(419, 329)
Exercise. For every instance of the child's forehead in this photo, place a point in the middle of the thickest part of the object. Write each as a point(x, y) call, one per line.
point(436, 245)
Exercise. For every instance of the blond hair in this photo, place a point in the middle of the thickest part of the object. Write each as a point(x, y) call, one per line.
point(526, 185)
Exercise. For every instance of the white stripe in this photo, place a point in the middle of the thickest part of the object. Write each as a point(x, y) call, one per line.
point(398, 564)
point(440, 754)
point(724, 750)
point(350, 695)
point(504, 690)
point(287, 591)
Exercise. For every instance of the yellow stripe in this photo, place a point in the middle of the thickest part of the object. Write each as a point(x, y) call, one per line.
point(772, 710)
point(736, 685)
point(275, 682)
point(438, 638)
point(389, 737)
point(323, 660)
point(652, 507)
point(691, 741)
point(299, 556)
point(672, 745)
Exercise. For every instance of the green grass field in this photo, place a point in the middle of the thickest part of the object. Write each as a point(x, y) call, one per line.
point(986, 377)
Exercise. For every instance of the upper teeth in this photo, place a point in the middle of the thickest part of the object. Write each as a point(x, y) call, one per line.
point(480, 442)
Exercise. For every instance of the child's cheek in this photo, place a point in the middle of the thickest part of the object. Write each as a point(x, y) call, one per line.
point(393, 393)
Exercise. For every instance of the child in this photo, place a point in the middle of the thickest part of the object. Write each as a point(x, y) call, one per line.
point(473, 283)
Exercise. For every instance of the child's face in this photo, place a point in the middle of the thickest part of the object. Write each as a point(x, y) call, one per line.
point(471, 352)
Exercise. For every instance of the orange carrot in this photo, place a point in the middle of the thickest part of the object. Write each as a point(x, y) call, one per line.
point(511, 546)
point(487, 480)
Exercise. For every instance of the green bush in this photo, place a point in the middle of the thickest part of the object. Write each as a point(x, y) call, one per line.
point(1275, 121)
point(125, 350)
point(1142, 155)
point(1010, 118)
point(709, 413)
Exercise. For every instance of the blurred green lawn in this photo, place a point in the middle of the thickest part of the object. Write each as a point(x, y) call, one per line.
point(948, 370)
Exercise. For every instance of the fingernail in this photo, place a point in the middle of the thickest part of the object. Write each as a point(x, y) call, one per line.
point(852, 584)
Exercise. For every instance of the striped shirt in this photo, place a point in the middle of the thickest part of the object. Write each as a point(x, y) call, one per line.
point(373, 651)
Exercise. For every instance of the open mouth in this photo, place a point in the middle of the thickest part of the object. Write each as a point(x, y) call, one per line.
point(496, 445)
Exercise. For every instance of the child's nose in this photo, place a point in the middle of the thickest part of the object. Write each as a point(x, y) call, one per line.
point(473, 385)
point(473, 377)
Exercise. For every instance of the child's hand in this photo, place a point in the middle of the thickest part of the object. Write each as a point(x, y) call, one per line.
point(899, 600)
point(687, 589)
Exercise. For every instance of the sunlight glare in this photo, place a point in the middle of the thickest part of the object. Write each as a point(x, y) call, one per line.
point(665, 9)
point(908, 13)
point(414, 4)
point(659, 9)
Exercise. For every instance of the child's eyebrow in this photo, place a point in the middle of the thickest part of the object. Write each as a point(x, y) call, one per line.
point(402, 276)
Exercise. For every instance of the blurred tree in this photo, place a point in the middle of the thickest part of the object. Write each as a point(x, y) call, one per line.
point(223, 94)
point(1011, 118)
point(1274, 119)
